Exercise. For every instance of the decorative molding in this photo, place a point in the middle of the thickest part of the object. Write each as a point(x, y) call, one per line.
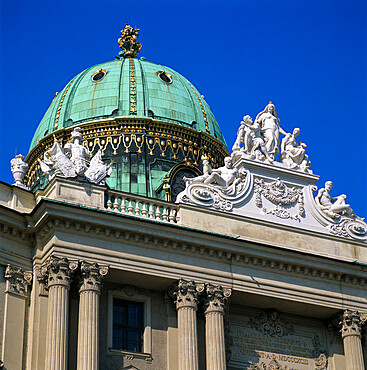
point(273, 365)
point(13, 231)
point(187, 293)
point(17, 281)
point(278, 193)
point(241, 258)
point(271, 323)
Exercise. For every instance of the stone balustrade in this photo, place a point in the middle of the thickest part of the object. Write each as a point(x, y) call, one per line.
point(135, 205)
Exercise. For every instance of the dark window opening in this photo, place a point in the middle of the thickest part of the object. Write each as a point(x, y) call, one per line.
point(165, 77)
point(98, 76)
point(128, 326)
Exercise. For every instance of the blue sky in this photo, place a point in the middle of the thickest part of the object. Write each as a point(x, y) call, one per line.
point(308, 57)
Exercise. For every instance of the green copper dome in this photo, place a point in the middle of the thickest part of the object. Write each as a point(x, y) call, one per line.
point(128, 87)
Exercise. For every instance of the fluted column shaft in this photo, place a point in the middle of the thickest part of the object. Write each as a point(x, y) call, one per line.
point(214, 327)
point(351, 333)
point(88, 324)
point(186, 305)
point(56, 275)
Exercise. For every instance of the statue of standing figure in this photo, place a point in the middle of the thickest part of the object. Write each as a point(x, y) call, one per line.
point(270, 129)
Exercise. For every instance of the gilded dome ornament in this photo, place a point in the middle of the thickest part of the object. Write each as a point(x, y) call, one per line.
point(128, 43)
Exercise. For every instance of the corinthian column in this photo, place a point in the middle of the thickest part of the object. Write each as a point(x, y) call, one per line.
point(186, 304)
point(214, 327)
point(55, 274)
point(88, 327)
point(351, 324)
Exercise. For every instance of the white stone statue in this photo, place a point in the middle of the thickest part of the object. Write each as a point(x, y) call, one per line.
point(77, 153)
point(97, 170)
point(270, 128)
point(292, 154)
point(56, 163)
point(19, 168)
point(250, 135)
point(71, 161)
point(333, 206)
point(224, 176)
point(243, 136)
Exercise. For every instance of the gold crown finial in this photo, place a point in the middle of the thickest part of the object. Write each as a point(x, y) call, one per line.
point(128, 43)
point(270, 102)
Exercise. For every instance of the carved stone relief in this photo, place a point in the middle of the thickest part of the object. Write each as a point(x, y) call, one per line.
point(279, 194)
point(271, 323)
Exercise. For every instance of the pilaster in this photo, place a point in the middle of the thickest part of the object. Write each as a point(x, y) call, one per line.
point(16, 293)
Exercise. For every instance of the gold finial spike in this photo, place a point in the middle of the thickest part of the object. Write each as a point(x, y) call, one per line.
point(270, 102)
point(128, 43)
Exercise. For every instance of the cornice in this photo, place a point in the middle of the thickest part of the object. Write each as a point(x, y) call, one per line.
point(175, 243)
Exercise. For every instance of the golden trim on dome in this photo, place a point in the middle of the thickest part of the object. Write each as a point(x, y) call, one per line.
point(128, 43)
point(202, 109)
point(122, 134)
point(61, 101)
point(132, 88)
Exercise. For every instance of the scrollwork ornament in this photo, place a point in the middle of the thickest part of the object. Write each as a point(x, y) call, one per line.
point(354, 229)
point(270, 323)
point(187, 293)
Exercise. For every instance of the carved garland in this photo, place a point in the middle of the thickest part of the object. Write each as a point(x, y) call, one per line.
point(279, 194)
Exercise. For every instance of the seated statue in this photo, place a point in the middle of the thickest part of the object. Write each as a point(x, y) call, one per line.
point(207, 170)
point(292, 154)
point(333, 206)
point(223, 176)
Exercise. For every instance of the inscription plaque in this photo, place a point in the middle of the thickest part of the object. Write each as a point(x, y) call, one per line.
point(267, 341)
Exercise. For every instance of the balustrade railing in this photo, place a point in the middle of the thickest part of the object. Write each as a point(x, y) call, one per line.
point(136, 205)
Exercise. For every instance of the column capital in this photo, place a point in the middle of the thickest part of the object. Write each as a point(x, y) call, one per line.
point(56, 271)
point(216, 297)
point(17, 280)
point(187, 293)
point(91, 276)
point(351, 323)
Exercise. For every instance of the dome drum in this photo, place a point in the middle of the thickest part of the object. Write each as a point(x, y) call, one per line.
point(142, 151)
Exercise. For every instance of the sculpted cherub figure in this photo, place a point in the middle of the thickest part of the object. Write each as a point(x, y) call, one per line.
point(333, 206)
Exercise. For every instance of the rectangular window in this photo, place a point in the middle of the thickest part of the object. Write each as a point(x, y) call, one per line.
point(128, 325)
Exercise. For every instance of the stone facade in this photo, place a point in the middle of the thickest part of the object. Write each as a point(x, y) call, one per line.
point(218, 290)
